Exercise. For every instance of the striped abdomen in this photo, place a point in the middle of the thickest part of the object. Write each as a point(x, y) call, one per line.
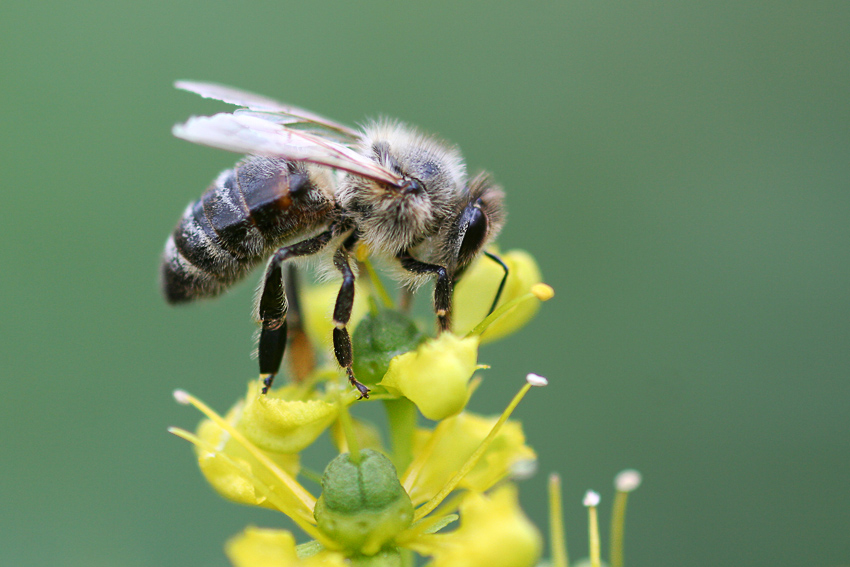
point(249, 211)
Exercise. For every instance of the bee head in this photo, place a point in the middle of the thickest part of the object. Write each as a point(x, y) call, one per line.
point(478, 223)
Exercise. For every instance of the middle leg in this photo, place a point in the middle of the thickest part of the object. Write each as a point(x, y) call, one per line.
point(342, 313)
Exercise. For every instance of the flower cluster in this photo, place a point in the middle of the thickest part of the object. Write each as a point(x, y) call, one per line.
point(442, 488)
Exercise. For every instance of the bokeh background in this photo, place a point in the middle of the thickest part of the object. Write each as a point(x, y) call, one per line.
point(680, 169)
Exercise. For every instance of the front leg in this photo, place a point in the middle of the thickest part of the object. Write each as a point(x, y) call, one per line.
point(442, 289)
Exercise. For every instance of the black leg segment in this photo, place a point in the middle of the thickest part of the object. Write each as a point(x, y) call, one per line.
point(442, 289)
point(342, 313)
point(272, 307)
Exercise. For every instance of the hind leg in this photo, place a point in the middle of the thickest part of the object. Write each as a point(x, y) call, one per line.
point(273, 306)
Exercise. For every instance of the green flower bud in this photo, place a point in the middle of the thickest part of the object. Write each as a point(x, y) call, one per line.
point(377, 339)
point(363, 505)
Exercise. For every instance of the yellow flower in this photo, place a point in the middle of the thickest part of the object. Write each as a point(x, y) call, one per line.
point(231, 470)
point(365, 514)
point(435, 376)
point(443, 451)
point(493, 532)
point(474, 294)
point(276, 422)
point(256, 547)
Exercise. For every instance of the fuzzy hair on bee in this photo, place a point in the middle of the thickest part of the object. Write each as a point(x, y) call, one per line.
point(313, 188)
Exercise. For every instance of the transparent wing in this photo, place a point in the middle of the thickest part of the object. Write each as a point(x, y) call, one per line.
point(248, 134)
point(275, 110)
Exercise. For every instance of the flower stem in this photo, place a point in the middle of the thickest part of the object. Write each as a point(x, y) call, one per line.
point(348, 430)
point(401, 414)
point(377, 284)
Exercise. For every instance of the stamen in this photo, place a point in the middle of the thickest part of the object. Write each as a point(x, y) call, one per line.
point(557, 537)
point(429, 506)
point(541, 292)
point(591, 500)
point(411, 474)
point(625, 482)
point(536, 380)
point(305, 499)
point(267, 491)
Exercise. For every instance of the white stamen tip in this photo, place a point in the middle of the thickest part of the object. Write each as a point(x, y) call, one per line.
point(536, 380)
point(627, 480)
point(182, 397)
point(524, 469)
point(591, 499)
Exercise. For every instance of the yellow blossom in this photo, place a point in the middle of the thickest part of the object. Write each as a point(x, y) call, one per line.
point(256, 547)
point(435, 375)
point(232, 470)
point(277, 423)
point(493, 532)
point(476, 290)
point(443, 451)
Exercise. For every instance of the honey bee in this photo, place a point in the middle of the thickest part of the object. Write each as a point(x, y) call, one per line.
point(310, 185)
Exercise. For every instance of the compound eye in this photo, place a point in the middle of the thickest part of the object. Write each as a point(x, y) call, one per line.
point(412, 186)
point(475, 222)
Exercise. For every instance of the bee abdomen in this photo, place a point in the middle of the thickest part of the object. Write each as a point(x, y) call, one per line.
point(248, 211)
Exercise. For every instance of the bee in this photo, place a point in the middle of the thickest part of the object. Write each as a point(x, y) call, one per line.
point(310, 186)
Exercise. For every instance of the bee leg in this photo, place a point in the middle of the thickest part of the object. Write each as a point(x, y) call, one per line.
point(442, 289)
point(342, 313)
point(272, 308)
point(502, 284)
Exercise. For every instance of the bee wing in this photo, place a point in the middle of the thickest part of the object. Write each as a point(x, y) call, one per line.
point(254, 102)
point(247, 134)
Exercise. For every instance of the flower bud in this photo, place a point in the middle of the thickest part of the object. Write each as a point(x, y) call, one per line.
point(363, 505)
point(378, 339)
point(435, 376)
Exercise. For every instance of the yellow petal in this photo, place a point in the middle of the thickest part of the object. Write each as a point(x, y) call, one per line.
point(231, 470)
point(493, 532)
point(256, 547)
point(452, 443)
point(477, 288)
point(276, 424)
point(435, 375)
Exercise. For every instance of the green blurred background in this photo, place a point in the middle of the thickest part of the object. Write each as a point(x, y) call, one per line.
point(681, 170)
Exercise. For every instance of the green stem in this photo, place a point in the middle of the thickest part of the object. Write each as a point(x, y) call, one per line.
point(401, 414)
point(348, 430)
point(378, 285)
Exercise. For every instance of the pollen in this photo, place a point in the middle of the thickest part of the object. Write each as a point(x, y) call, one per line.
point(543, 292)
